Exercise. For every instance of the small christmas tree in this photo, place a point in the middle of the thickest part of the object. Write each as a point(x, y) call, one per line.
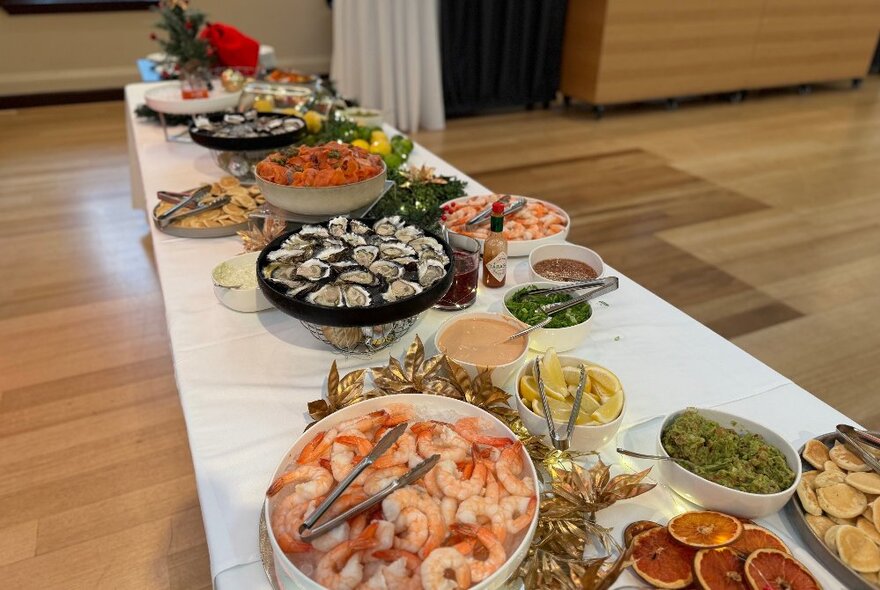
point(183, 43)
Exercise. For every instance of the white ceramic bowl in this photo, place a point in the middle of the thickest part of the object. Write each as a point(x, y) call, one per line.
point(713, 496)
point(323, 200)
point(244, 300)
point(570, 251)
point(518, 248)
point(586, 437)
point(500, 373)
point(364, 117)
point(561, 339)
point(428, 407)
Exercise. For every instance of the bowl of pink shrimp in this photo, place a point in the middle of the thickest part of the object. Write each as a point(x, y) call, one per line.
point(467, 523)
point(539, 222)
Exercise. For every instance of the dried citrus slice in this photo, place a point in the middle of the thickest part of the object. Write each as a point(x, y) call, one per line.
point(828, 478)
point(661, 561)
point(868, 483)
point(756, 537)
point(819, 524)
point(705, 529)
point(769, 569)
point(816, 453)
point(636, 527)
point(807, 496)
point(846, 459)
point(720, 569)
point(841, 500)
point(857, 550)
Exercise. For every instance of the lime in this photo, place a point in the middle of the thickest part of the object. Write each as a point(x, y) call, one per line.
point(393, 161)
point(610, 410)
point(361, 144)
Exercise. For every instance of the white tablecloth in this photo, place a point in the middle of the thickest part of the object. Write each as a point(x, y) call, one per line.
point(245, 379)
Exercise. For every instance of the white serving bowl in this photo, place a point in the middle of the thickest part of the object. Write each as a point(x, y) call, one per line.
point(518, 248)
point(323, 200)
point(427, 407)
point(364, 117)
point(500, 373)
point(570, 251)
point(713, 496)
point(560, 339)
point(586, 437)
point(244, 300)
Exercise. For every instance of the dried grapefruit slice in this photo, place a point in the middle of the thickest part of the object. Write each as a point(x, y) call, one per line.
point(769, 569)
point(661, 561)
point(705, 529)
point(636, 527)
point(756, 537)
point(720, 569)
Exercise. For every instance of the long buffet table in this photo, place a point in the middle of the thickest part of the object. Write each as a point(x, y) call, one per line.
point(245, 379)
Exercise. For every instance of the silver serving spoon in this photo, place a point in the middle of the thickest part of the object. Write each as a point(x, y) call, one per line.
point(682, 462)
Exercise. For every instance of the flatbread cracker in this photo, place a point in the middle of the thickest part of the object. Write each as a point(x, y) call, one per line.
point(868, 483)
point(857, 550)
point(867, 527)
point(808, 498)
point(846, 459)
point(841, 500)
point(819, 524)
point(816, 453)
point(828, 478)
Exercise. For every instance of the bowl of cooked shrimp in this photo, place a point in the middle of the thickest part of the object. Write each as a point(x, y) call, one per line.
point(467, 523)
point(539, 222)
point(327, 179)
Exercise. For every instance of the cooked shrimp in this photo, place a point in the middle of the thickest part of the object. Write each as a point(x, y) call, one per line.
point(366, 423)
point(309, 481)
point(411, 497)
point(332, 538)
point(477, 510)
point(398, 413)
point(286, 520)
point(381, 478)
point(518, 512)
point(430, 481)
point(448, 508)
point(317, 447)
point(493, 489)
point(470, 429)
point(454, 485)
point(342, 456)
point(403, 571)
point(411, 527)
point(508, 468)
point(438, 438)
point(435, 566)
point(483, 568)
point(399, 453)
point(535, 220)
point(342, 567)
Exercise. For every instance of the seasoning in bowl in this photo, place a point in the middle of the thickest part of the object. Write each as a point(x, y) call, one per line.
point(528, 309)
point(481, 342)
point(565, 269)
point(740, 461)
point(235, 276)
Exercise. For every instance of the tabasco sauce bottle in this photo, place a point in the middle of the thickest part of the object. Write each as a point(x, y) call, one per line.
point(495, 250)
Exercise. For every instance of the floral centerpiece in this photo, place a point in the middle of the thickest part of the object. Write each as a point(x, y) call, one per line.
point(191, 54)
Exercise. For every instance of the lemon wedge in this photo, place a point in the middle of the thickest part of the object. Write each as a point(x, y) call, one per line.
point(551, 370)
point(603, 382)
point(561, 411)
point(610, 410)
point(528, 389)
point(572, 376)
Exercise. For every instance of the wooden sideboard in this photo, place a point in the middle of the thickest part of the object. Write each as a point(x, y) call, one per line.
point(629, 50)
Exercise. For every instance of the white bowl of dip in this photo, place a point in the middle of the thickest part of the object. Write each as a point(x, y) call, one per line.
point(235, 288)
point(567, 253)
point(476, 342)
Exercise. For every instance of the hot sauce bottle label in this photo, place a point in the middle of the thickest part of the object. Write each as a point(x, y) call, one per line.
point(497, 267)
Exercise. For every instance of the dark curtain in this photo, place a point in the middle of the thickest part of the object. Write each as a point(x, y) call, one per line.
point(498, 53)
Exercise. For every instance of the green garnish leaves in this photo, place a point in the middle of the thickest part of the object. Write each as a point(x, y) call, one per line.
point(528, 309)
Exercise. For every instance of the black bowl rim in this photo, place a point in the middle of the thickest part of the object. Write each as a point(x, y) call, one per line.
point(374, 315)
point(248, 144)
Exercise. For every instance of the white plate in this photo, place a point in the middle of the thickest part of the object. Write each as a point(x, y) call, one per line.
point(428, 406)
point(166, 98)
point(518, 248)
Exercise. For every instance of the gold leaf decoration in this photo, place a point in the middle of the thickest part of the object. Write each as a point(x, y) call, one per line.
point(255, 238)
point(573, 495)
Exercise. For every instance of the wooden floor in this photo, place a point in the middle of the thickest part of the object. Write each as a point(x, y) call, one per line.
point(759, 219)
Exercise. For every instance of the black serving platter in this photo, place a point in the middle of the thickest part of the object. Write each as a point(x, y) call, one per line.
point(240, 144)
point(374, 315)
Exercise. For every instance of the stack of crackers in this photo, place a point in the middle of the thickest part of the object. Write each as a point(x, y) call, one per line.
point(840, 498)
point(242, 200)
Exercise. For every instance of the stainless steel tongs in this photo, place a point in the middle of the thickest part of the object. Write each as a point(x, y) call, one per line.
point(511, 206)
point(560, 442)
point(856, 440)
point(309, 531)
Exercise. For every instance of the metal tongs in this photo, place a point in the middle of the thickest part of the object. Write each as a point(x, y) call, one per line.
point(191, 203)
point(606, 285)
point(560, 442)
point(511, 206)
point(308, 530)
point(857, 440)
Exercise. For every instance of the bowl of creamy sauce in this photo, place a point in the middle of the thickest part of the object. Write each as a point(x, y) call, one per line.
point(478, 340)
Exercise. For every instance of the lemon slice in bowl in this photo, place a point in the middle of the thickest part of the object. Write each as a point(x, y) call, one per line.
point(551, 371)
point(572, 375)
point(561, 410)
point(528, 390)
point(610, 410)
point(603, 382)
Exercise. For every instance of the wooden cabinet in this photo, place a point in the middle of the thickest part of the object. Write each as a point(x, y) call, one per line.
point(626, 50)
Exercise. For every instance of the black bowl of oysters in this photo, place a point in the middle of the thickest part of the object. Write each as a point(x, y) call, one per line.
point(355, 272)
point(247, 131)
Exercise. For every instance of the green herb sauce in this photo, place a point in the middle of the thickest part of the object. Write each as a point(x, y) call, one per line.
point(528, 309)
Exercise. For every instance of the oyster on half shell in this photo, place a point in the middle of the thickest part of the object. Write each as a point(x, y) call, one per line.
point(395, 250)
point(327, 296)
point(337, 226)
point(386, 269)
point(365, 255)
point(313, 270)
point(356, 296)
point(401, 289)
point(430, 271)
point(359, 276)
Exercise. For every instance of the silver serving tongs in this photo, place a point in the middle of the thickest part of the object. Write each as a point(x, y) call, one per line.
point(575, 286)
point(560, 442)
point(856, 440)
point(308, 532)
point(510, 206)
point(206, 206)
point(186, 201)
point(609, 284)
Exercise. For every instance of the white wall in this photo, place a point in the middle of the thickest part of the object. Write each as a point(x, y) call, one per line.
point(56, 52)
